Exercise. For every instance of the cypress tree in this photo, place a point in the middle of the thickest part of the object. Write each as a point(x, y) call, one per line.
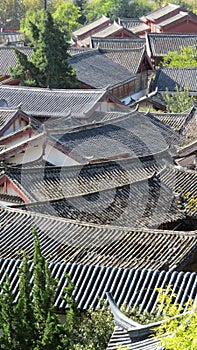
point(31, 321)
point(48, 65)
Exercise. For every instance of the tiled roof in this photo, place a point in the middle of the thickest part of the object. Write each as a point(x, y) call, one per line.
point(189, 129)
point(102, 72)
point(140, 28)
point(134, 135)
point(121, 247)
point(183, 182)
point(132, 334)
point(160, 43)
point(161, 11)
point(173, 19)
point(111, 29)
point(129, 22)
point(50, 102)
point(168, 77)
point(174, 120)
point(121, 337)
point(88, 27)
point(146, 203)
point(184, 123)
point(131, 59)
point(117, 43)
point(8, 58)
point(6, 115)
point(7, 199)
point(55, 125)
point(11, 37)
point(130, 286)
point(47, 183)
point(157, 100)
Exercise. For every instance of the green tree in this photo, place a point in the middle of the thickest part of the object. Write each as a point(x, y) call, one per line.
point(66, 16)
point(33, 5)
point(178, 333)
point(186, 58)
point(31, 323)
point(82, 5)
point(179, 101)
point(48, 65)
point(116, 8)
point(138, 8)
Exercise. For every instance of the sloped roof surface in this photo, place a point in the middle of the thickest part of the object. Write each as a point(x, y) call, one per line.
point(88, 27)
point(161, 11)
point(121, 337)
point(168, 77)
point(121, 247)
point(146, 203)
point(8, 58)
point(173, 19)
point(117, 43)
point(130, 59)
point(140, 28)
point(174, 120)
point(184, 182)
point(136, 135)
point(161, 43)
point(6, 115)
point(11, 37)
point(44, 183)
point(129, 22)
point(98, 71)
point(109, 30)
point(130, 286)
point(50, 102)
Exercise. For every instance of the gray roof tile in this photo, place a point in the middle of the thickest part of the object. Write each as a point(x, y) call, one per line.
point(102, 72)
point(168, 77)
point(175, 120)
point(130, 286)
point(8, 58)
point(131, 59)
point(184, 183)
point(161, 43)
point(93, 25)
point(117, 43)
point(128, 135)
point(12, 38)
point(51, 102)
point(129, 22)
point(109, 30)
point(6, 115)
point(68, 240)
point(161, 11)
point(173, 19)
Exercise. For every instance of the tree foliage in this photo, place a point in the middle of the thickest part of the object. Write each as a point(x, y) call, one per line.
point(186, 58)
point(178, 333)
point(31, 323)
point(66, 16)
point(48, 65)
point(180, 101)
point(116, 8)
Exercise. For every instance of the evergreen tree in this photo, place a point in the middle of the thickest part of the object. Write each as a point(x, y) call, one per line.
point(31, 323)
point(48, 66)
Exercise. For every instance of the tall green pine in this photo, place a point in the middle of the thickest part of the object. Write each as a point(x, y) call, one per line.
point(31, 323)
point(48, 65)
